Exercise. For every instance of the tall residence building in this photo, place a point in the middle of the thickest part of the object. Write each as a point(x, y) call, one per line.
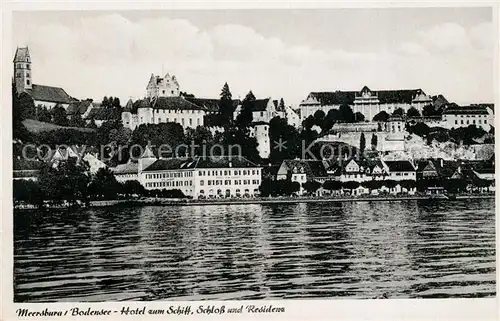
point(196, 177)
point(43, 96)
point(365, 101)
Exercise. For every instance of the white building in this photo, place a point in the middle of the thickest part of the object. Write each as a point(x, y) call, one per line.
point(163, 110)
point(162, 87)
point(366, 101)
point(455, 117)
point(196, 177)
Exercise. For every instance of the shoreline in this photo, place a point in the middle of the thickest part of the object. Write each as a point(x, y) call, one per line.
point(254, 201)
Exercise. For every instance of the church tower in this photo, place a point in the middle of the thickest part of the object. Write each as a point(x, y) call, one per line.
point(22, 70)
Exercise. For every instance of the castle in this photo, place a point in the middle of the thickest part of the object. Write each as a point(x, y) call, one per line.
point(43, 96)
point(162, 87)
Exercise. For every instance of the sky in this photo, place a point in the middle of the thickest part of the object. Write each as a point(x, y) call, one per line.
point(275, 53)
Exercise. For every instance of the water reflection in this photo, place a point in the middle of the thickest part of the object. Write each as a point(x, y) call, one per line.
point(363, 250)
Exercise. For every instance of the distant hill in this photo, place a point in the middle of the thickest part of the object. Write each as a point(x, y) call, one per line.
point(35, 126)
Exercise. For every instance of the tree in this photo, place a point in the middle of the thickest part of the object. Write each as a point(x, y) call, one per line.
point(245, 118)
point(374, 141)
point(104, 185)
point(398, 112)
point(413, 112)
point(105, 102)
point(350, 185)
point(281, 105)
point(362, 143)
point(359, 117)
point(419, 129)
point(383, 116)
point(59, 116)
point(280, 130)
point(319, 115)
point(346, 114)
point(226, 108)
point(26, 106)
point(311, 187)
point(43, 114)
point(27, 191)
point(131, 188)
point(332, 185)
point(430, 111)
point(76, 120)
point(116, 103)
point(66, 182)
point(265, 187)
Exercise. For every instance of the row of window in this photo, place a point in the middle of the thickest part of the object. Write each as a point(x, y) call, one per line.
point(468, 116)
point(394, 173)
point(169, 184)
point(228, 182)
point(473, 122)
point(228, 192)
point(175, 111)
point(228, 172)
point(170, 175)
point(160, 120)
point(21, 66)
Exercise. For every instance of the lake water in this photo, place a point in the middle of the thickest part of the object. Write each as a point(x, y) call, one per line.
point(399, 249)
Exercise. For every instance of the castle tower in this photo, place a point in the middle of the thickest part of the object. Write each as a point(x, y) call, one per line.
point(22, 70)
point(162, 87)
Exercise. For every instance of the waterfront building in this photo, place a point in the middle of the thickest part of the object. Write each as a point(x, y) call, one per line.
point(455, 117)
point(126, 172)
point(43, 96)
point(302, 171)
point(365, 101)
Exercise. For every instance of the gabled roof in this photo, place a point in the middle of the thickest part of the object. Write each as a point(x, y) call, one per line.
point(79, 107)
point(21, 54)
point(311, 168)
point(258, 104)
point(128, 168)
point(101, 113)
point(400, 166)
point(50, 94)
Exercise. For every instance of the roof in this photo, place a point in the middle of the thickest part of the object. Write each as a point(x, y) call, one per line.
point(334, 98)
point(258, 104)
point(398, 96)
point(384, 96)
point(21, 54)
point(309, 167)
point(128, 168)
point(129, 106)
point(173, 103)
point(470, 110)
point(200, 162)
point(79, 107)
point(400, 166)
point(50, 94)
point(483, 167)
point(101, 113)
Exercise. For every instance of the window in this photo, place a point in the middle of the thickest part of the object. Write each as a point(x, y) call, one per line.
point(28, 82)
point(198, 122)
point(456, 122)
point(261, 114)
point(172, 92)
point(209, 182)
point(18, 75)
point(190, 121)
point(27, 74)
point(164, 91)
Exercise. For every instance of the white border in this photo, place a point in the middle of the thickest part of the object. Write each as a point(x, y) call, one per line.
point(334, 309)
